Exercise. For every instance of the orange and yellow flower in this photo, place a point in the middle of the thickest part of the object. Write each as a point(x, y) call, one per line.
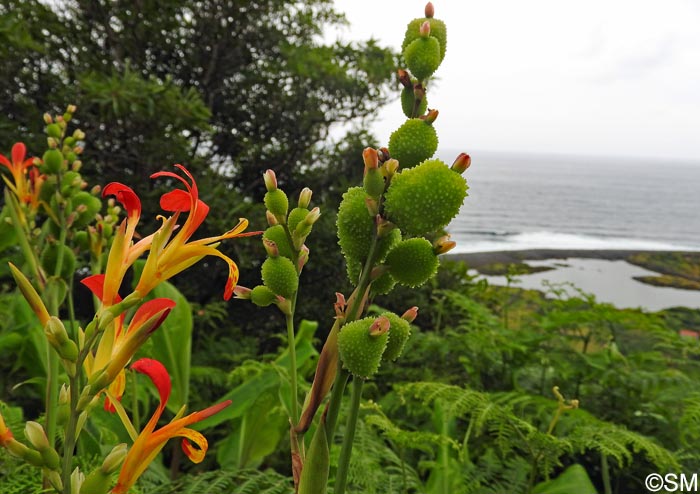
point(18, 167)
point(117, 346)
point(150, 441)
point(169, 256)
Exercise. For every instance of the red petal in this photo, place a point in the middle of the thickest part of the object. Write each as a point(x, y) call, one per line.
point(125, 195)
point(157, 374)
point(19, 151)
point(208, 412)
point(95, 283)
point(150, 309)
point(176, 200)
point(201, 210)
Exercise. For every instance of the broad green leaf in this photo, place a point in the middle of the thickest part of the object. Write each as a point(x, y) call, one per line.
point(573, 479)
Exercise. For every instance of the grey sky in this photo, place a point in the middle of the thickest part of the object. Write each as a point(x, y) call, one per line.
point(601, 77)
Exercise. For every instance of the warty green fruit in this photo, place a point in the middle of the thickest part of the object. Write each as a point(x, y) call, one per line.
point(425, 198)
point(295, 217)
point(277, 234)
point(399, 332)
point(277, 203)
point(92, 207)
point(53, 161)
point(360, 352)
point(280, 276)
point(383, 285)
point(262, 296)
point(412, 262)
point(422, 57)
point(355, 225)
point(408, 100)
point(413, 142)
point(437, 30)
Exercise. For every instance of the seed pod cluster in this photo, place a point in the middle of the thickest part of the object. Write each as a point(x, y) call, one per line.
point(360, 350)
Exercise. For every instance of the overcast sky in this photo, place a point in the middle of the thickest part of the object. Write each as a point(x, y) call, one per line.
point(599, 77)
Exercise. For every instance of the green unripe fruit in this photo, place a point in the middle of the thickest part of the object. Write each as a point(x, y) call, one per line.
point(423, 57)
point(296, 216)
point(69, 141)
point(82, 239)
point(92, 207)
point(353, 267)
point(53, 161)
point(107, 230)
point(277, 234)
point(398, 336)
point(373, 182)
point(262, 296)
point(280, 276)
point(383, 285)
point(96, 482)
point(71, 157)
point(408, 100)
point(413, 142)
point(437, 30)
point(70, 182)
point(425, 198)
point(361, 352)
point(277, 203)
point(48, 188)
point(412, 262)
point(53, 130)
point(355, 225)
point(49, 260)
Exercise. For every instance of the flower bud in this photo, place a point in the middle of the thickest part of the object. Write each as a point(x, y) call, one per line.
point(270, 180)
point(71, 109)
point(303, 257)
point(429, 10)
point(76, 166)
point(271, 220)
point(425, 29)
point(55, 480)
point(48, 119)
point(95, 190)
point(34, 432)
point(114, 459)
point(242, 292)
point(305, 197)
point(270, 247)
point(411, 314)
point(370, 158)
point(443, 245)
point(78, 134)
point(404, 78)
point(262, 296)
point(383, 154)
point(461, 163)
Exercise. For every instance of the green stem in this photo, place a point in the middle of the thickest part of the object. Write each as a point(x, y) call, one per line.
point(293, 364)
point(71, 436)
point(341, 380)
point(605, 472)
point(29, 254)
point(52, 382)
point(350, 426)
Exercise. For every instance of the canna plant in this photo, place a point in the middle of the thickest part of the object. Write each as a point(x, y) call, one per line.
point(57, 223)
point(390, 231)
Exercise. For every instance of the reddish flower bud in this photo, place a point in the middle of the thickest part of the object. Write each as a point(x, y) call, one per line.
point(431, 116)
point(429, 10)
point(271, 248)
point(404, 78)
point(270, 180)
point(411, 314)
point(370, 158)
point(271, 220)
point(380, 326)
point(425, 29)
point(461, 163)
point(305, 197)
point(241, 292)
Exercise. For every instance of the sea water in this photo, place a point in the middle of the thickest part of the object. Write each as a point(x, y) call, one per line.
point(519, 201)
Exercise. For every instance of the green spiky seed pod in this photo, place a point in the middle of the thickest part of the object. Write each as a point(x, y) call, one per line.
point(296, 216)
point(53, 162)
point(92, 206)
point(361, 352)
point(70, 182)
point(437, 30)
point(355, 225)
point(383, 285)
point(82, 240)
point(423, 57)
point(413, 142)
point(412, 262)
point(398, 336)
point(277, 203)
point(408, 100)
point(280, 276)
point(425, 198)
point(279, 237)
point(262, 296)
point(49, 260)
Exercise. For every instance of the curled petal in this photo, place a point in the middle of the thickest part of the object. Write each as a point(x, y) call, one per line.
point(176, 200)
point(126, 196)
point(196, 455)
point(157, 373)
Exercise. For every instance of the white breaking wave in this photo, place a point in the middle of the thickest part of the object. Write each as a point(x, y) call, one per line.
point(553, 240)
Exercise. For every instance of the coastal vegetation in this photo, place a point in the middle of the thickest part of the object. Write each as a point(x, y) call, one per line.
point(327, 348)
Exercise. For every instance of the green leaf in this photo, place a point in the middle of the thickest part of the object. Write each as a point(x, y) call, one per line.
point(573, 479)
point(172, 343)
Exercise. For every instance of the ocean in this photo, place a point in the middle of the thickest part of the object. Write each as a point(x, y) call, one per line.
point(525, 201)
